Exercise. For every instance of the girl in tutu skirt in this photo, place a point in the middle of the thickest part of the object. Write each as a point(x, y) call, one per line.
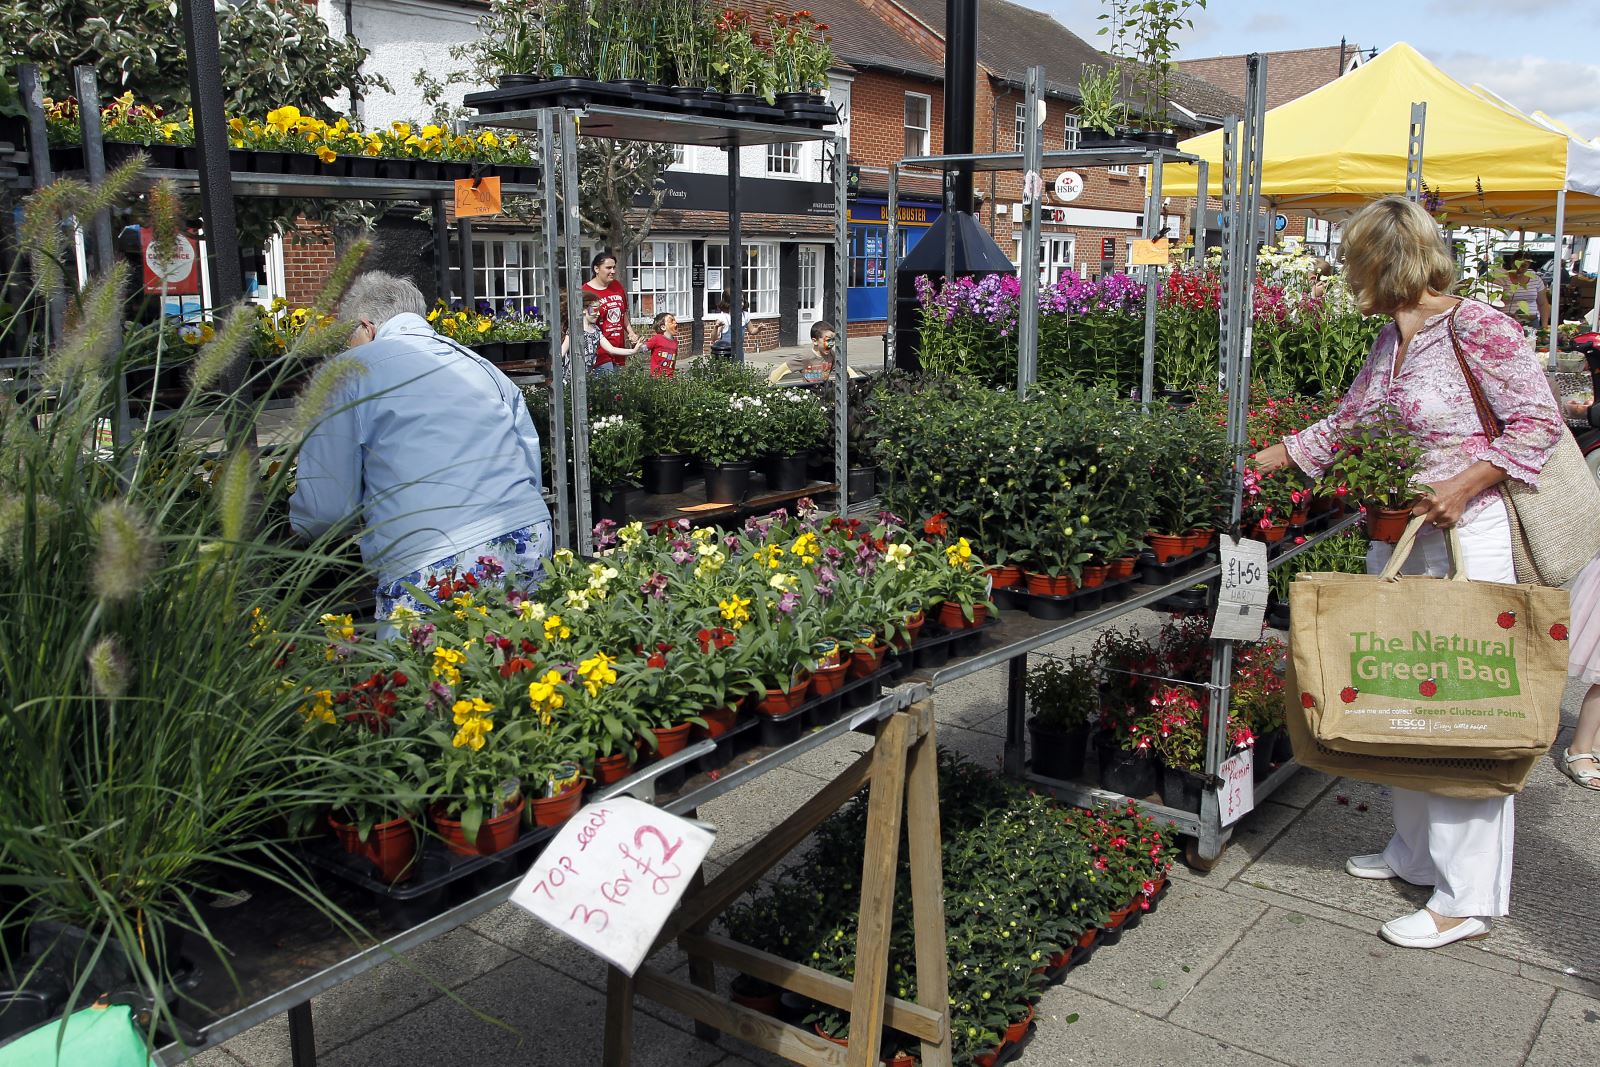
point(1579, 759)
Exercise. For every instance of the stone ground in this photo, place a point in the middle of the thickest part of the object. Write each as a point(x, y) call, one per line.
point(1271, 958)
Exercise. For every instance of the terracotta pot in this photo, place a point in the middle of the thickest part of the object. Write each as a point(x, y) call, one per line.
point(553, 811)
point(718, 721)
point(670, 740)
point(825, 681)
point(390, 846)
point(1048, 585)
point(1094, 575)
point(609, 769)
point(1086, 939)
point(1123, 568)
point(766, 1003)
point(1060, 959)
point(905, 1059)
point(1005, 577)
point(1018, 1030)
point(913, 626)
point(497, 833)
point(777, 702)
point(1168, 547)
point(987, 1059)
point(863, 661)
point(1300, 515)
point(1273, 534)
point(952, 618)
point(1119, 916)
point(842, 1042)
point(1387, 524)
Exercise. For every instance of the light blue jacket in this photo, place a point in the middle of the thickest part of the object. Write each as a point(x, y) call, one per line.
point(430, 442)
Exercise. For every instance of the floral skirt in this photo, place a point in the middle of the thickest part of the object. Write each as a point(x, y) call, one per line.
point(516, 558)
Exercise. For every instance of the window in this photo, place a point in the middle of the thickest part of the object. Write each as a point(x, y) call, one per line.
point(868, 264)
point(760, 277)
point(658, 280)
point(1021, 127)
point(783, 158)
point(1070, 135)
point(1055, 256)
point(919, 108)
point(504, 272)
point(1121, 169)
point(679, 155)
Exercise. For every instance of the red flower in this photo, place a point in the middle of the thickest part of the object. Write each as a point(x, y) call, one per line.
point(398, 679)
point(1506, 619)
point(1559, 631)
point(1307, 701)
point(656, 659)
point(935, 526)
point(1348, 694)
point(1427, 688)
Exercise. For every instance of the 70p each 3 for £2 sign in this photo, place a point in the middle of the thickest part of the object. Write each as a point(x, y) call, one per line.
point(612, 876)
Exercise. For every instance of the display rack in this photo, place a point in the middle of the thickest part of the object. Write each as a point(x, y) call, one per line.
point(558, 129)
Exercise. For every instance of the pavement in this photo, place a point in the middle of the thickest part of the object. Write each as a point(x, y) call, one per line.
point(1270, 958)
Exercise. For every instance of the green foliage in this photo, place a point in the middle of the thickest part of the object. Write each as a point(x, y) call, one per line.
point(1062, 692)
point(1378, 460)
point(614, 451)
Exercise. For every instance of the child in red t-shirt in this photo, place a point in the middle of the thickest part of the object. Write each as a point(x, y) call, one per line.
point(663, 346)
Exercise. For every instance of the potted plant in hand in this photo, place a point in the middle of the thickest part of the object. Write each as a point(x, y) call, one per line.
point(614, 446)
point(1378, 461)
point(1063, 696)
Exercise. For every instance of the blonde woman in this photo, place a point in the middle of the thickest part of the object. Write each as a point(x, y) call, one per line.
point(1397, 264)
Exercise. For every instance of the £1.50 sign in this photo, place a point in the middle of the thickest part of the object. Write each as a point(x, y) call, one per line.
point(612, 875)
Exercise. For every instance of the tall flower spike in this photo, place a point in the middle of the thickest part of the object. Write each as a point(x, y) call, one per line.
point(108, 669)
point(91, 338)
point(219, 353)
point(234, 486)
point(126, 551)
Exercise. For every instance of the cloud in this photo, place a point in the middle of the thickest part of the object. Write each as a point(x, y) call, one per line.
point(1562, 88)
point(1265, 22)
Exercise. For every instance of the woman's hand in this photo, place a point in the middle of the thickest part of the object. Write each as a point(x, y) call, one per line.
point(1272, 459)
point(1577, 409)
point(1447, 498)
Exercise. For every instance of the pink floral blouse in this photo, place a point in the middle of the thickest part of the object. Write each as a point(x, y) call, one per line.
point(1431, 395)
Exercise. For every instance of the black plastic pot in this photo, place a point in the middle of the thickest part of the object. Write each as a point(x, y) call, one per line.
point(612, 505)
point(1125, 772)
point(259, 162)
point(663, 474)
point(1181, 789)
point(785, 473)
point(1058, 753)
point(506, 81)
point(362, 166)
point(863, 483)
point(21, 1010)
point(1093, 137)
point(1282, 745)
point(300, 163)
point(727, 483)
point(394, 168)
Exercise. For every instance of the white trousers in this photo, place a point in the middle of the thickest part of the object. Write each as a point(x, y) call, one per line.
point(1460, 847)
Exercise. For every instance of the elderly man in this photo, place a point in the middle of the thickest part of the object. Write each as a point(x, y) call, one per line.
point(432, 445)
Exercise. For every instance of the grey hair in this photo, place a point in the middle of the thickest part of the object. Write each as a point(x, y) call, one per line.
point(378, 297)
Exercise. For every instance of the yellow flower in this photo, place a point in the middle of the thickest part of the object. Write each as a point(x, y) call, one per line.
point(530, 610)
point(784, 583)
point(545, 697)
point(469, 708)
point(404, 617)
point(597, 673)
point(401, 130)
point(488, 139)
point(735, 610)
point(897, 554)
point(631, 534)
point(445, 664)
point(320, 708)
point(473, 733)
point(555, 629)
point(806, 547)
point(340, 626)
point(326, 154)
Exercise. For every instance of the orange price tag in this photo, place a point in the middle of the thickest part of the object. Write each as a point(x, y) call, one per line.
point(1152, 253)
point(480, 197)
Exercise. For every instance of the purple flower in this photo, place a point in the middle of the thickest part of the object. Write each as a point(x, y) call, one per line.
point(889, 518)
point(489, 567)
point(788, 602)
point(682, 553)
point(420, 636)
point(655, 586)
point(605, 534)
point(833, 553)
point(442, 691)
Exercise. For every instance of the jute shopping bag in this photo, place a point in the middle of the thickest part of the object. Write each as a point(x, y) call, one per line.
point(1442, 684)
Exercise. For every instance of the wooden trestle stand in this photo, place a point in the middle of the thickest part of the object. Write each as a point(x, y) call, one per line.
point(902, 767)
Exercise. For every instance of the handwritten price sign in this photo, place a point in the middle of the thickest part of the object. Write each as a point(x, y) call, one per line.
point(612, 875)
point(1242, 600)
point(1237, 795)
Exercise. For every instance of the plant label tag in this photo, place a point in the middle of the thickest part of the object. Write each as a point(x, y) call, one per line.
point(1237, 796)
point(1151, 253)
point(477, 197)
point(612, 876)
point(1242, 599)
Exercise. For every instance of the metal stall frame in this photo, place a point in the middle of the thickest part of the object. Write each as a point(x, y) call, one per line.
point(634, 124)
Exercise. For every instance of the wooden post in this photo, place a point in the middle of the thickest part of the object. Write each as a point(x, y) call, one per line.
point(926, 845)
point(885, 805)
point(619, 1019)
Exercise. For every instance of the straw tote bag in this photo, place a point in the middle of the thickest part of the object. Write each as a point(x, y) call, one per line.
point(1555, 529)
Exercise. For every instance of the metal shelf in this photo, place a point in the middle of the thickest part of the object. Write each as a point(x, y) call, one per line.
point(331, 187)
point(1082, 157)
point(661, 127)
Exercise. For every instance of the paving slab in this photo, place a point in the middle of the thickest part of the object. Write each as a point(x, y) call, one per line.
point(828, 761)
point(1311, 993)
point(1303, 788)
point(1106, 1033)
point(985, 749)
point(1158, 962)
point(747, 813)
point(1252, 836)
point(516, 932)
point(1569, 1034)
point(545, 1018)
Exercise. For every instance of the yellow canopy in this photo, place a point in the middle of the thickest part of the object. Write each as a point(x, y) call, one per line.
point(1337, 147)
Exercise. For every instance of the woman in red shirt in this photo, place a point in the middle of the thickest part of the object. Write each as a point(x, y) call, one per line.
point(611, 310)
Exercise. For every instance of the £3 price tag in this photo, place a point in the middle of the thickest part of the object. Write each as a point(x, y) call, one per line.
point(612, 875)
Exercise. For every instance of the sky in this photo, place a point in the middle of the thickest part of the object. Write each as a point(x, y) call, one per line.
point(1543, 54)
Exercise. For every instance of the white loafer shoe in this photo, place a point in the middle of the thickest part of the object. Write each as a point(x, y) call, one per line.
point(1369, 866)
point(1417, 930)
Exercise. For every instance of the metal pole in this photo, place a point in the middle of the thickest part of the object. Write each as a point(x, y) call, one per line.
point(1016, 750)
point(1230, 229)
point(441, 249)
point(209, 101)
point(1202, 208)
point(552, 316)
point(1419, 122)
point(892, 262)
point(1555, 278)
point(87, 86)
point(32, 93)
point(469, 280)
point(1152, 226)
point(571, 223)
point(841, 362)
point(1032, 207)
point(735, 253)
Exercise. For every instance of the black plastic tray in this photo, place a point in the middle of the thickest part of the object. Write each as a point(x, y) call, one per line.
point(1155, 573)
point(1052, 608)
point(785, 729)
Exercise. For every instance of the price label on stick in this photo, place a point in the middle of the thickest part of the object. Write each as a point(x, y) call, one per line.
point(612, 875)
point(1242, 600)
point(1238, 792)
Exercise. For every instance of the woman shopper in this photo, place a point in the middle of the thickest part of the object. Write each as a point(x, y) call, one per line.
point(1397, 264)
point(611, 311)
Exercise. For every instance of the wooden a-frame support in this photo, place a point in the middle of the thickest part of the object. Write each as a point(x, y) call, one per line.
point(903, 769)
